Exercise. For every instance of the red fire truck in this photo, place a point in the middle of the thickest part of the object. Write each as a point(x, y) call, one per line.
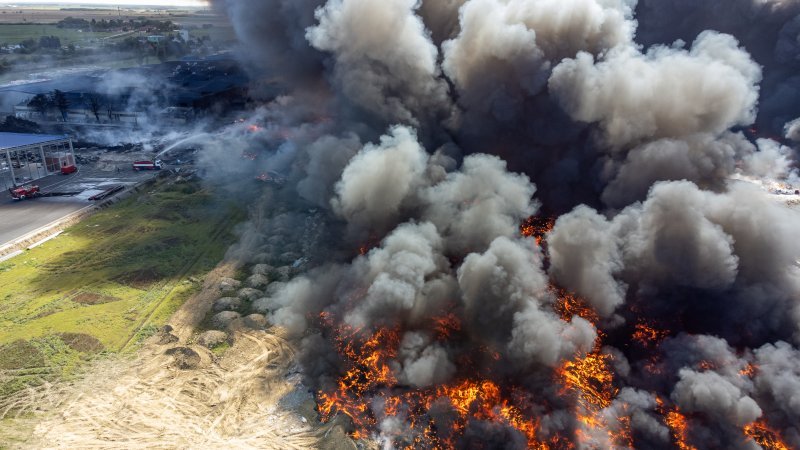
point(23, 192)
point(148, 165)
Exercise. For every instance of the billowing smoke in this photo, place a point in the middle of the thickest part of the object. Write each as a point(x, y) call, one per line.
point(530, 223)
point(385, 65)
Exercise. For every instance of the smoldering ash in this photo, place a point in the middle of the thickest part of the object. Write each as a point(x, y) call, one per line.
point(531, 223)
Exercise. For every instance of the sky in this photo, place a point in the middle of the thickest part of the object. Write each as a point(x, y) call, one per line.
point(115, 3)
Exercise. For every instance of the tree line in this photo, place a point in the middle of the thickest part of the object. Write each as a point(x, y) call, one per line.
point(58, 100)
point(116, 24)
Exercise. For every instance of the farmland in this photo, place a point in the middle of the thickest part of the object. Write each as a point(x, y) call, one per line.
point(15, 33)
point(107, 282)
point(81, 48)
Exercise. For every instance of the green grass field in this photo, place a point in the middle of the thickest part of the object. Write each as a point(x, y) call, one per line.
point(107, 282)
point(14, 34)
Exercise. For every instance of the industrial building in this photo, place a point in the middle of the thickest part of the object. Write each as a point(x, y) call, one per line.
point(27, 157)
point(167, 92)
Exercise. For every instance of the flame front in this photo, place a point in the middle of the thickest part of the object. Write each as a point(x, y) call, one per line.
point(369, 376)
point(765, 436)
point(370, 392)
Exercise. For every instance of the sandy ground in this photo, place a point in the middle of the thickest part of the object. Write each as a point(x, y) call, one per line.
point(251, 397)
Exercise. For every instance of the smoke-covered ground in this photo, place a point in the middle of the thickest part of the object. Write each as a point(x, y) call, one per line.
point(416, 139)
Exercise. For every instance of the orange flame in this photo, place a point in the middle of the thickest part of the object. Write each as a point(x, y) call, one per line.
point(368, 374)
point(591, 379)
point(677, 424)
point(444, 325)
point(537, 227)
point(765, 436)
point(569, 305)
point(647, 335)
point(749, 370)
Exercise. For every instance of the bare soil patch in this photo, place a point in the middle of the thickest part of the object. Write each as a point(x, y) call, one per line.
point(20, 355)
point(140, 279)
point(81, 342)
point(91, 298)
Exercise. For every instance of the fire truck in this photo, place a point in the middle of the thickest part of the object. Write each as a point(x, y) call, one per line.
point(148, 165)
point(66, 170)
point(26, 191)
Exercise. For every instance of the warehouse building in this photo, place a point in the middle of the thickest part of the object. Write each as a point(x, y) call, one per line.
point(27, 157)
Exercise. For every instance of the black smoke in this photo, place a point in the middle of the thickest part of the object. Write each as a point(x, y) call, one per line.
point(426, 132)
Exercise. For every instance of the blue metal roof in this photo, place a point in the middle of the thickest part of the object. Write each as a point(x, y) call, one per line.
point(10, 141)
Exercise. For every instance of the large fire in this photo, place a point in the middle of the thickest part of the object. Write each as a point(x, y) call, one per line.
point(369, 375)
point(438, 417)
point(765, 436)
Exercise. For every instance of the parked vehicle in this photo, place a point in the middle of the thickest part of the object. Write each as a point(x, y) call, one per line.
point(148, 165)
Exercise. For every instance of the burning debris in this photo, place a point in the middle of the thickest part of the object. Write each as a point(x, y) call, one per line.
point(523, 229)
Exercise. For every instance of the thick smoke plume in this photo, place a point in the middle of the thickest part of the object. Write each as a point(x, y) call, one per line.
point(530, 223)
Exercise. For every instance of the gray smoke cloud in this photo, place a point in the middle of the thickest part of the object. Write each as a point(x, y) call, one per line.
point(520, 41)
point(272, 37)
point(682, 237)
point(480, 202)
point(583, 258)
point(423, 363)
point(386, 65)
point(378, 180)
point(710, 393)
point(327, 159)
point(418, 135)
point(505, 289)
point(396, 274)
point(665, 92)
point(777, 383)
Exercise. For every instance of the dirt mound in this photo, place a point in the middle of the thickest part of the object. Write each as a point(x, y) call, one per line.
point(212, 338)
point(91, 298)
point(222, 319)
point(184, 357)
point(140, 279)
point(227, 304)
point(164, 336)
point(82, 342)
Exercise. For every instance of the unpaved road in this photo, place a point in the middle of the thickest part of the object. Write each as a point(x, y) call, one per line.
point(249, 398)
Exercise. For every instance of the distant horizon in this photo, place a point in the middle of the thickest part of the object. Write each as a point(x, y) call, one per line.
point(171, 3)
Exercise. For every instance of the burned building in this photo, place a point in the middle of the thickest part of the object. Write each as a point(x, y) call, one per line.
point(172, 91)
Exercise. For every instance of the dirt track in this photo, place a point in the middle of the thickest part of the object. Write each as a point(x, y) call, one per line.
point(150, 403)
point(246, 399)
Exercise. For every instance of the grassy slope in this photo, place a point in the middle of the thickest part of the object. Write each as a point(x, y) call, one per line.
point(106, 282)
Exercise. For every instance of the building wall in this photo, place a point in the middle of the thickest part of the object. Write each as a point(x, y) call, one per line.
point(78, 115)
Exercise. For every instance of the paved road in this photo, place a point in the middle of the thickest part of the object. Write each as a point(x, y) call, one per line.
point(18, 218)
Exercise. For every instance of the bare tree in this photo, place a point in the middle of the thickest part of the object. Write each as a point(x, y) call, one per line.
point(40, 103)
point(95, 106)
point(61, 102)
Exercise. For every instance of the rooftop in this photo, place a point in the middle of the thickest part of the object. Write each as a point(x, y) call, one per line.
point(10, 141)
